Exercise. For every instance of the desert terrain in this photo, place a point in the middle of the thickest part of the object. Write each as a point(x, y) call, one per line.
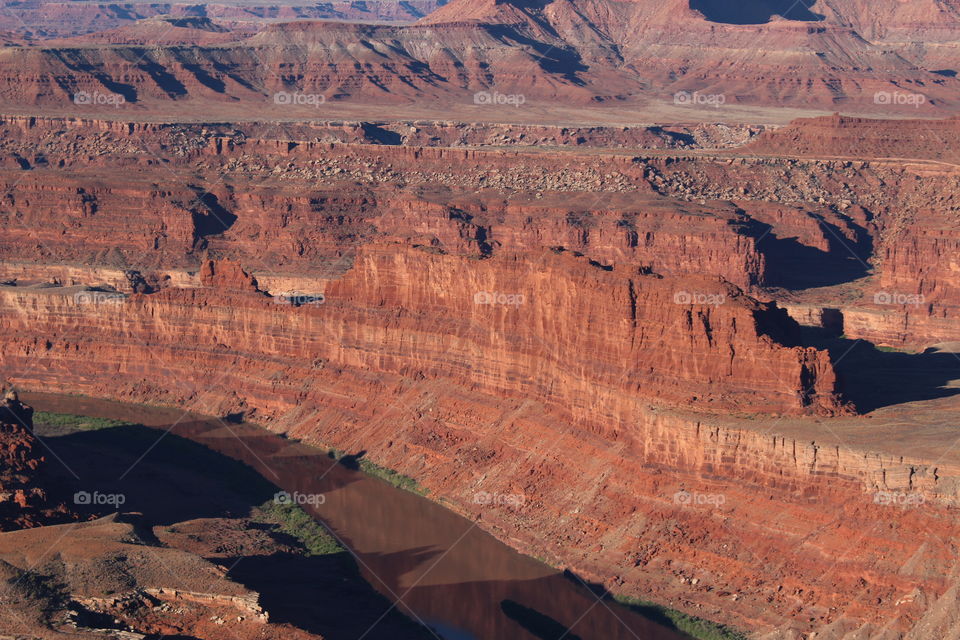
point(664, 295)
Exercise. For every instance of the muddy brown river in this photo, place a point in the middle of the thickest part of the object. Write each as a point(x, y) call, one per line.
point(435, 565)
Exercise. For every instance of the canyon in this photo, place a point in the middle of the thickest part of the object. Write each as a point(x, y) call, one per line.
point(673, 288)
point(675, 318)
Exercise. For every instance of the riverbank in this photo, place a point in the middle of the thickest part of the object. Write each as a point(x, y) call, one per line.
point(185, 496)
point(669, 618)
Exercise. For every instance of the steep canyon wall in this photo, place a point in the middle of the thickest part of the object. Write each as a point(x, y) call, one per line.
point(593, 331)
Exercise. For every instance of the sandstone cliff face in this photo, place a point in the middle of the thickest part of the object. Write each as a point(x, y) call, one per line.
point(521, 321)
point(862, 138)
point(603, 461)
point(468, 316)
point(883, 218)
point(758, 222)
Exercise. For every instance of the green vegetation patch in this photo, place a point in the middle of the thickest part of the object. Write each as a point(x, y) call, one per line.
point(886, 349)
point(298, 524)
point(68, 421)
point(691, 625)
point(394, 478)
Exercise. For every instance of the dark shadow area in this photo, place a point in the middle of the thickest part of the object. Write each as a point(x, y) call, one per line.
point(325, 595)
point(379, 135)
point(946, 73)
point(791, 264)
point(481, 233)
point(137, 282)
point(178, 480)
point(164, 79)
point(71, 60)
point(234, 418)
point(210, 220)
point(872, 377)
point(679, 139)
point(777, 324)
point(756, 11)
point(414, 11)
point(352, 460)
point(214, 84)
point(652, 612)
point(556, 60)
point(600, 265)
point(228, 71)
point(541, 626)
point(595, 588)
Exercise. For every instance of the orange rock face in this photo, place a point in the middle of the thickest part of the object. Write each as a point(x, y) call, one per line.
point(601, 332)
point(694, 341)
point(444, 241)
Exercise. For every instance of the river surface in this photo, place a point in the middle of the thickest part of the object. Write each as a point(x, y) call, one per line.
point(435, 565)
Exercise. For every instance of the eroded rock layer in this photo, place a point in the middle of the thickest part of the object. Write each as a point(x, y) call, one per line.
point(471, 56)
point(599, 332)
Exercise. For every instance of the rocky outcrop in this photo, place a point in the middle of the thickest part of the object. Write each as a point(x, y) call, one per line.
point(110, 582)
point(861, 138)
point(24, 498)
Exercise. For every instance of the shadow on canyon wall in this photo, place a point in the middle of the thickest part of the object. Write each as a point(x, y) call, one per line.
point(872, 378)
point(755, 11)
point(793, 265)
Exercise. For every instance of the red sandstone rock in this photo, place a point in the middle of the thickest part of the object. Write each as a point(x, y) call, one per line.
point(226, 276)
point(401, 360)
point(23, 497)
point(692, 341)
point(861, 138)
